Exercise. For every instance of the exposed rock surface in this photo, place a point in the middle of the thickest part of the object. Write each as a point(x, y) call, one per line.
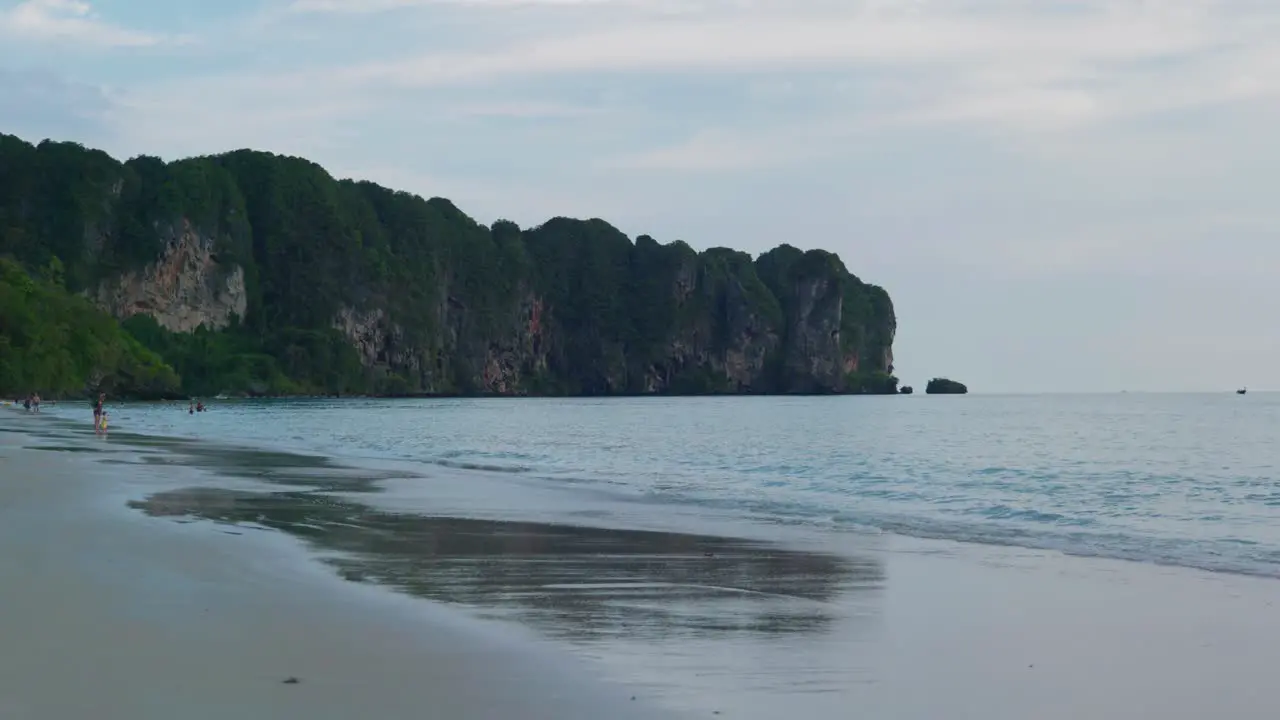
point(721, 338)
point(183, 289)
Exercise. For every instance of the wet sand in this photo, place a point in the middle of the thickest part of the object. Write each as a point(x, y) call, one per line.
point(156, 575)
point(104, 616)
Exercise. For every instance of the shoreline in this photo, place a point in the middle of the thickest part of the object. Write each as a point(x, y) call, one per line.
point(465, 396)
point(397, 471)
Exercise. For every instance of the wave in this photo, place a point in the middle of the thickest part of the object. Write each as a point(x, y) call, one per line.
point(1038, 531)
point(486, 467)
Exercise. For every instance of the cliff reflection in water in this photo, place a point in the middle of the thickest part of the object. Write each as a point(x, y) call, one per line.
point(578, 582)
point(279, 468)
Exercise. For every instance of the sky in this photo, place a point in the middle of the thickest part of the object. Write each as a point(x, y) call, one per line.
point(1059, 196)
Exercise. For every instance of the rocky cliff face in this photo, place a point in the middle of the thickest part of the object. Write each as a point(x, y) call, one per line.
point(183, 289)
point(503, 364)
point(720, 331)
point(815, 359)
point(725, 342)
point(513, 359)
point(378, 342)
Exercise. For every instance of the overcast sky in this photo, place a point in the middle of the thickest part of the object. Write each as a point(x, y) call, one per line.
point(1059, 195)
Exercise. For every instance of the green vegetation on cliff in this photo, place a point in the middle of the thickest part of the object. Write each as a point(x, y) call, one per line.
point(307, 284)
point(60, 344)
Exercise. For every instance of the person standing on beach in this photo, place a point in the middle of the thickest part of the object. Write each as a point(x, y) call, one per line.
point(97, 413)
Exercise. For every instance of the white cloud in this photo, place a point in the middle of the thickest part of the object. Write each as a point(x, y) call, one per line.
point(523, 109)
point(708, 150)
point(373, 7)
point(1037, 66)
point(772, 39)
point(732, 149)
point(69, 21)
point(175, 119)
point(365, 7)
point(1001, 61)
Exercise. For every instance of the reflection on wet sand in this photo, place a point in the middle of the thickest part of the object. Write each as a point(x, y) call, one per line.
point(283, 468)
point(578, 583)
point(574, 582)
point(311, 471)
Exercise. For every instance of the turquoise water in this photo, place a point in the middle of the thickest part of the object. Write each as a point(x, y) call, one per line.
point(1178, 479)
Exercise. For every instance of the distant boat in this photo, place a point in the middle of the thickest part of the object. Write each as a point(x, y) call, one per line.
point(1242, 391)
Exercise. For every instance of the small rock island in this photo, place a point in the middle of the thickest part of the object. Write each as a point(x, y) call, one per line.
point(943, 386)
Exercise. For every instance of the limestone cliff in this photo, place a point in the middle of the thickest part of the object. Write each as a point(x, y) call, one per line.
point(183, 289)
point(682, 323)
point(348, 287)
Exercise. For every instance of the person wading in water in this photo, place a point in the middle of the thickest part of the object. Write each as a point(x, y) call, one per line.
point(97, 413)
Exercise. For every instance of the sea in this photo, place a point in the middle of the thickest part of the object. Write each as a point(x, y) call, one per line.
point(1165, 478)
point(721, 553)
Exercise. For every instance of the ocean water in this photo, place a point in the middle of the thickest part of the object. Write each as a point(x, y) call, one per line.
point(1176, 479)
